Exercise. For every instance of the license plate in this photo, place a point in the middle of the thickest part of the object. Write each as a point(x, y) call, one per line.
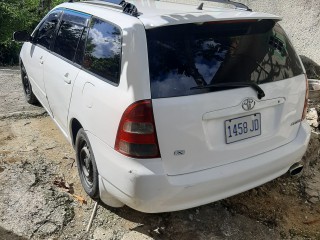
point(241, 128)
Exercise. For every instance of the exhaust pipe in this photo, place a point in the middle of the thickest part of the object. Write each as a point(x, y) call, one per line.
point(296, 170)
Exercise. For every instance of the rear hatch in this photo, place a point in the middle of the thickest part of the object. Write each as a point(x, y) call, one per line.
point(208, 82)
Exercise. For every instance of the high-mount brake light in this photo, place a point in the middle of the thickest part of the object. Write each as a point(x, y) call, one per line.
point(137, 135)
point(305, 107)
point(232, 21)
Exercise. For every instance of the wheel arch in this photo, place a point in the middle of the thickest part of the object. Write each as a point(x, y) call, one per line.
point(75, 126)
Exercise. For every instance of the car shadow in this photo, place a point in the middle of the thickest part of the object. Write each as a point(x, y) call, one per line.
point(160, 226)
point(211, 221)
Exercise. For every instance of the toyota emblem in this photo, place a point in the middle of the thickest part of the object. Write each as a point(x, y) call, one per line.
point(248, 104)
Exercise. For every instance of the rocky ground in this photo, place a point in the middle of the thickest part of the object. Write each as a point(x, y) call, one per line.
point(41, 196)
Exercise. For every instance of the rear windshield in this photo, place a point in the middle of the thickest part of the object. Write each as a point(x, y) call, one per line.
point(185, 56)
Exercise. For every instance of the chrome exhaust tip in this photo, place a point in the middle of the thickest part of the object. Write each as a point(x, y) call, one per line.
point(296, 170)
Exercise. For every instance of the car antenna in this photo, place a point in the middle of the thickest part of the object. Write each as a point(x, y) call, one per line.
point(236, 4)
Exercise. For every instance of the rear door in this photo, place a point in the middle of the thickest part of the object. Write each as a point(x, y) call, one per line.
point(204, 115)
point(61, 68)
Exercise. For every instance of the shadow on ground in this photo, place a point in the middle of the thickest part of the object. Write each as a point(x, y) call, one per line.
point(7, 235)
point(211, 221)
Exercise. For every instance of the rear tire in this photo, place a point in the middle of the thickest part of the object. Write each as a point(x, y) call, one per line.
point(27, 89)
point(86, 164)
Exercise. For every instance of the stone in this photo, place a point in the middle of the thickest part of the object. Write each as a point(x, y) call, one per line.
point(47, 229)
point(103, 234)
point(312, 193)
point(312, 117)
point(135, 236)
point(314, 200)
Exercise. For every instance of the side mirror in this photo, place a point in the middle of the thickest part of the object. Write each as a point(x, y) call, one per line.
point(21, 36)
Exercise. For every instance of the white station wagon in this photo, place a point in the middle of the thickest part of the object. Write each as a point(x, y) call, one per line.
point(169, 106)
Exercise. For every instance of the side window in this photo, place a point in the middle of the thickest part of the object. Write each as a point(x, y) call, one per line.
point(44, 35)
point(70, 31)
point(103, 50)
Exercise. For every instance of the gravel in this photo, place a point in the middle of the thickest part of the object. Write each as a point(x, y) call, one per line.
point(33, 154)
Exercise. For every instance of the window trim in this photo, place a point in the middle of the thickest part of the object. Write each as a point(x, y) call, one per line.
point(101, 78)
point(85, 43)
point(66, 10)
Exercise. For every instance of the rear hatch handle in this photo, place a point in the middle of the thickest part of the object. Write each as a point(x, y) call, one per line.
point(260, 92)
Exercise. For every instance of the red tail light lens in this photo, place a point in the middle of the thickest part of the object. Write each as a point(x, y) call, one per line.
point(137, 135)
point(305, 107)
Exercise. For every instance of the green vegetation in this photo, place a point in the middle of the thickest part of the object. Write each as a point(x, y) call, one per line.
point(19, 15)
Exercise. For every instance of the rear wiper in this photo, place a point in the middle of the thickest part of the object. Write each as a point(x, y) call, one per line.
point(255, 86)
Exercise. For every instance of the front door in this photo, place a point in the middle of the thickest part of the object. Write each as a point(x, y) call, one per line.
point(36, 52)
point(62, 69)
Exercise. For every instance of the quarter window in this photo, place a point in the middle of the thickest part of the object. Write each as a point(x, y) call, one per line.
point(102, 53)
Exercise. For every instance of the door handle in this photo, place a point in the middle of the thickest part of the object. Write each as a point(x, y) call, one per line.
point(41, 60)
point(66, 78)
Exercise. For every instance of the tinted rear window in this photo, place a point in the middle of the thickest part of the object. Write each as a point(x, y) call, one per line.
point(190, 55)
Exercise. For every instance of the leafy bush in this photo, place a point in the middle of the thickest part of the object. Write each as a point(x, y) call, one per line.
point(19, 15)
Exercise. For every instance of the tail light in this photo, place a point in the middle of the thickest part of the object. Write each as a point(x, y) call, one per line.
point(305, 107)
point(137, 135)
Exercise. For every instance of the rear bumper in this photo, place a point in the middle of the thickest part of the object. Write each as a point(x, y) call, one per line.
point(143, 185)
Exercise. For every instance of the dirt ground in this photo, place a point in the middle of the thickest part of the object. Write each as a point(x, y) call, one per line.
point(41, 196)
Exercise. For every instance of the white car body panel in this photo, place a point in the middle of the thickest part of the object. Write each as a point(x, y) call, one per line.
point(195, 124)
point(143, 184)
point(36, 56)
point(59, 87)
point(209, 169)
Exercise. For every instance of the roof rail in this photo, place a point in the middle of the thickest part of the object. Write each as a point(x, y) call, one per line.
point(126, 7)
point(236, 4)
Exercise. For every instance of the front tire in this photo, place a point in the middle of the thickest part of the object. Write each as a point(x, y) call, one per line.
point(86, 164)
point(27, 89)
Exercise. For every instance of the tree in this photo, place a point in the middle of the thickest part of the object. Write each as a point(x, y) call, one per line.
point(19, 15)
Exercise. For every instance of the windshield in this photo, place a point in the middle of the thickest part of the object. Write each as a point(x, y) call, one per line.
point(185, 56)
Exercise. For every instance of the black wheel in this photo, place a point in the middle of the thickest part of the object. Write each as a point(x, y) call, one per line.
point(86, 164)
point(30, 97)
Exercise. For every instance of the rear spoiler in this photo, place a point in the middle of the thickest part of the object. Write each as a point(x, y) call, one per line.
point(236, 4)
